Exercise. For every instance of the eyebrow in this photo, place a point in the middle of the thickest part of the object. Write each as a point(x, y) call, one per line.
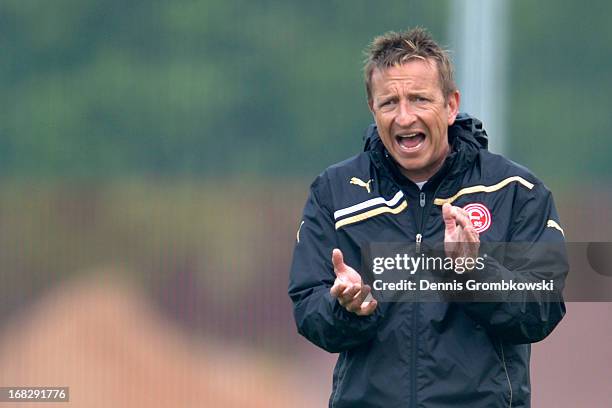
point(422, 93)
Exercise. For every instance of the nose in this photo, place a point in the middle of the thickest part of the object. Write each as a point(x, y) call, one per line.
point(406, 116)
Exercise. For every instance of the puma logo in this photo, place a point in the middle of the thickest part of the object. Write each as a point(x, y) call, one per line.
point(361, 183)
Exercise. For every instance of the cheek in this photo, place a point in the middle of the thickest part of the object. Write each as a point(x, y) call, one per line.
point(384, 117)
point(384, 124)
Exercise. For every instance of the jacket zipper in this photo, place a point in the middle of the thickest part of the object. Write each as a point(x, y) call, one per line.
point(419, 236)
point(416, 306)
point(423, 214)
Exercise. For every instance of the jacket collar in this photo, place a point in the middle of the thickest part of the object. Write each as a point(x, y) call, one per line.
point(466, 137)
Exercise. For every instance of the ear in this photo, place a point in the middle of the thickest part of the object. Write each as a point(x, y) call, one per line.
point(453, 106)
point(371, 106)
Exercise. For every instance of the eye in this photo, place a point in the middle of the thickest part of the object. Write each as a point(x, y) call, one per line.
point(387, 103)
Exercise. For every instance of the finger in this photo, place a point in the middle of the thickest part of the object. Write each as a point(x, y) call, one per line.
point(449, 218)
point(355, 303)
point(468, 234)
point(474, 241)
point(367, 308)
point(338, 261)
point(472, 235)
point(338, 288)
point(363, 294)
point(347, 302)
point(462, 217)
point(462, 211)
point(349, 293)
point(353, 306)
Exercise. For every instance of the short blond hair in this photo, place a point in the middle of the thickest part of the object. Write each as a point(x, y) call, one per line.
point(396, 48)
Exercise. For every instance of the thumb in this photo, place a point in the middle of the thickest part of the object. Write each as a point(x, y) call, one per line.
point(338, 261)
point(449, 218)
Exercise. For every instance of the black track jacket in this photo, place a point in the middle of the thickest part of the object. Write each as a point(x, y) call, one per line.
point(411, 354)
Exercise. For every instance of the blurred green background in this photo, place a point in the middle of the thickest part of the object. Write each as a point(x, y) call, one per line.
point(170, 144)
point(106, 89)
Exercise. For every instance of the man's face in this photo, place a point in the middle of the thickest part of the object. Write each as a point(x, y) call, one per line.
point(413, 116)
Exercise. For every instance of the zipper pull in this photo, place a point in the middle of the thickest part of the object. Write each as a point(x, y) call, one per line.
point(419, 237)
point(422, 200)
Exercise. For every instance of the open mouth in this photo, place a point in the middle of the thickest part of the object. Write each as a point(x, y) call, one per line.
point(410, 141)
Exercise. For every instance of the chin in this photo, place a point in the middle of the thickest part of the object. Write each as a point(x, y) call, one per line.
point(410, 168)
point(411, 164)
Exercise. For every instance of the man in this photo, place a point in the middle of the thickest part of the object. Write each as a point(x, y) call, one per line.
point(422, 164)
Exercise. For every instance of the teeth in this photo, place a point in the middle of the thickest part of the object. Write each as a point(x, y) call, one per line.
point(408, 135)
